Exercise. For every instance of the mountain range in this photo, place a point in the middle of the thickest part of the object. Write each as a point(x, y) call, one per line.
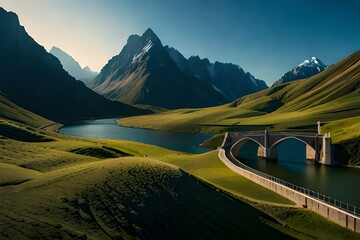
point(331, 95)
point(306, 69)
point(146, 72)
point(35, 80)
point(227, 78)
point(55, 186)
point(73, 67)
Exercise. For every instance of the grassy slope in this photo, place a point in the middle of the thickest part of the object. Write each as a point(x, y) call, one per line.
point(344, 129)
point(332, 95)
point(126, 197)
point(11, 111)
point(208, 167)
point(12, 175)
point(69, 195)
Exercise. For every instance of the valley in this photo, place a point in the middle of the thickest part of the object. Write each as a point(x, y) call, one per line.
point(331, 97)
point(100, 192)
point(127, 150)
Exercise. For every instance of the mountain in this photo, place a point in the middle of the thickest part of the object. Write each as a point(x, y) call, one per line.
point(35, 80)
point(305, 69)
point(73, 67)
point(229, 79)
point(146, 72)
point(331, 95)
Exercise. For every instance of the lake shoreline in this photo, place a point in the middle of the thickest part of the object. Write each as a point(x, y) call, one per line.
point(108, 128)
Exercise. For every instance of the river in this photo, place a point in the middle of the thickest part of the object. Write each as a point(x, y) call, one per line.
point(107, 128)
point(339, 183)
point(292, 166)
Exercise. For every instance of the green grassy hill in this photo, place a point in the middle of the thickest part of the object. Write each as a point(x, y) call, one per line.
point(331, 95)
point(69, 189)
point(11, 111)
point(127, 198)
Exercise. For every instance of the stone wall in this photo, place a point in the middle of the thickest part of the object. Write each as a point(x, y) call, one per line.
point(332, 213)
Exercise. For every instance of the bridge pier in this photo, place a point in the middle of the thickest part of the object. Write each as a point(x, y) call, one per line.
point(310, 153)
point(326, 151)
point(266, 141)
point(261, 152)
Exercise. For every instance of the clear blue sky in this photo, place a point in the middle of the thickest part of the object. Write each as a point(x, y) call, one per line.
point(265, 37)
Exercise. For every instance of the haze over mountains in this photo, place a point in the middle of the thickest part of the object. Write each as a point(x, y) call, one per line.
point(146, 72)
point(73, 67)
point(35, 80)
point(304, 70)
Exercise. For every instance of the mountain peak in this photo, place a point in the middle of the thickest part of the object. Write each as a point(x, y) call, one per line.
point(11, 16)
point(304, 70)
point(150, 35)
point(133, 39)
point(56, 49)
point(314, 61)
point(72, 66)
point(40, 84)
point(149, 31)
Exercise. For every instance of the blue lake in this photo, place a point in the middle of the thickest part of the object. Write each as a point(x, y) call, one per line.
point(339, 183)
point(107, 128)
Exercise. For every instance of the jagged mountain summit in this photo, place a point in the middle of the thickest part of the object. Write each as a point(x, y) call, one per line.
point(146, 72)
point(35, 80)
point(73, 67)
point(227, 78)
point(306, 69)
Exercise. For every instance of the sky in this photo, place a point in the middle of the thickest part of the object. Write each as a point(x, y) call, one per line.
point(266, 38)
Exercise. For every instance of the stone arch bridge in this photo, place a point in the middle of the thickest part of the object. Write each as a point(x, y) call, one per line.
point(318, 147)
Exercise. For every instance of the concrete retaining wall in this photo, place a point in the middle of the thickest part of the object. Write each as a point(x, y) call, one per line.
point(332, 213)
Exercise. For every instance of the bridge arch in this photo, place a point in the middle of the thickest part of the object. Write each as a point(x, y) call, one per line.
point(273, 151)
point(257, 149)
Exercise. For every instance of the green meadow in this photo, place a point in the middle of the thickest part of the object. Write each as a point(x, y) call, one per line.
point(64, 187)
point(331, 97)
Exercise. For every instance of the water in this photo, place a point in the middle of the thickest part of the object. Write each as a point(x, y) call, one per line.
point(292, 166)
point(339, 183)
point(107, 128)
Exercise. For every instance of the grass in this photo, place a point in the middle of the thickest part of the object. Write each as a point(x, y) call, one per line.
point(209, 168)
point(13, 112)
point(99, 152)
point(305, 224)
point(50, 192)
point(106, 199)
point(330, 96)
point(343, 129)
point(127, 198)
point(352, 147)
point(20, 133)
point(13, 175)
point(214, 141)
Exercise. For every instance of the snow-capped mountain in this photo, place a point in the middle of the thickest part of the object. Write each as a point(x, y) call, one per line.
point(305, 69)
point(146, 72)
